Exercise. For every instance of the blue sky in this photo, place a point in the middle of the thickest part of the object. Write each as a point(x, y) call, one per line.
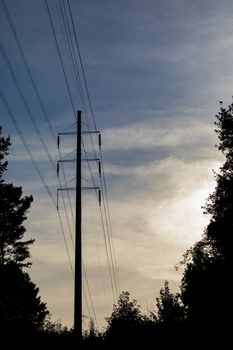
point(156, 71)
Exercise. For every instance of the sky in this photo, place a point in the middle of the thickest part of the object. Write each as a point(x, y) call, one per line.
point(155, 71)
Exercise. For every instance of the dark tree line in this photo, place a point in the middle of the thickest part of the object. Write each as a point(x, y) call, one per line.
point(201, 311)
point(205, 290)
point(21, 309)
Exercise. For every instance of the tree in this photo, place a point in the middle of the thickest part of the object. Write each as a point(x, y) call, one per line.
point(219, 233)
point(4, 146)
point(20, 306)
point(208, 264)
point(92, 338)
point(170, 310)
point(21, 309)
point(13, 209)
point(126, 319)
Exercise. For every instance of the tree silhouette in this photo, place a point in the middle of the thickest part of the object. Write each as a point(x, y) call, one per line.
point(21, 309)
point(92, 337)
point(13, 208)
point(208, 264)
point(125, 320)
point(4, 146)
point(170, 311)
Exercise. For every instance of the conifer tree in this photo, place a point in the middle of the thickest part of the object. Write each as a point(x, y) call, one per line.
point(21, 309)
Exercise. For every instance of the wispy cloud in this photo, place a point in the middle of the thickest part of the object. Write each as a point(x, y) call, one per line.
point(156, 71)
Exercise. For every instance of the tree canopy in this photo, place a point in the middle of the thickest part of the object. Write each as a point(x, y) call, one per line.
point(4, 146)
point(204, 288)
point(170, 312)
point(125, 319)
point(21, 309)
point(202, 307)
point(13, 209)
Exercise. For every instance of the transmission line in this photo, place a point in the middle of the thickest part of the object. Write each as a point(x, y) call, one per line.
point(27, 67)
point(38, 96)
point(27, 148)
point(111, 255)
point(24, 100)
point(93, 118)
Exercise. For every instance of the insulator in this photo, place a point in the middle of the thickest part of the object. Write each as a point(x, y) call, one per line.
point(99, 141)
point(58, 141)
point(99, 197)
point(57, 200)
point(99, 169)
point(57, 169)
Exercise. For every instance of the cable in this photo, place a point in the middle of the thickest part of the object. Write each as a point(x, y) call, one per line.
point(59, 54)
point(27, 67)
point(113, 276)
point(107, 214)
point(95, 223)
point(66, 80)
point(92, 113)
point(11, 115)
point(80, 59)
point(65, 22)
point(16, 82)
point(89, 292)
point(38, 96)
point(34, 124)
point(112, 279)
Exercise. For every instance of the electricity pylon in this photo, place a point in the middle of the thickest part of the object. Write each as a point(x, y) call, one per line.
point(78, 216)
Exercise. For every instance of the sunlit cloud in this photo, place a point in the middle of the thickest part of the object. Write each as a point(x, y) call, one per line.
point(155, 81)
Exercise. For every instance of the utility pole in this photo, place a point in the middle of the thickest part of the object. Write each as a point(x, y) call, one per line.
point(78, 216)
point(78, 236)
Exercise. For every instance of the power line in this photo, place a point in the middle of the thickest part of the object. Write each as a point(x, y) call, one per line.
point(65, 22)
point(27, 67)
point(38, 96)
point(24, 100)
point(109, 238)
point(92, 113)
point(79, 83)
point(90, 295)
point(80, 59)
point(112, 280)
point(59, 54)
point(60, 58)
point(27, 148)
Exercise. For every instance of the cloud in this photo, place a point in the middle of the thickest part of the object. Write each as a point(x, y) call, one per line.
point(153, 134)
point(156, 71)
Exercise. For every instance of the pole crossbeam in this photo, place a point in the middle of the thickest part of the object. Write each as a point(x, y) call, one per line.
point(82, 160)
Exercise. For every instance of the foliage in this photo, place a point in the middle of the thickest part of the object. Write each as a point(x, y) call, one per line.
point(92, 338)
point(12, 213)
point(170, 310)
point(219, 232)
point(54, 328)
point(92, 332)
point(208, 267)
point(13, 209)
point(4, 146)
point(21, 309)
point(126, 318)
